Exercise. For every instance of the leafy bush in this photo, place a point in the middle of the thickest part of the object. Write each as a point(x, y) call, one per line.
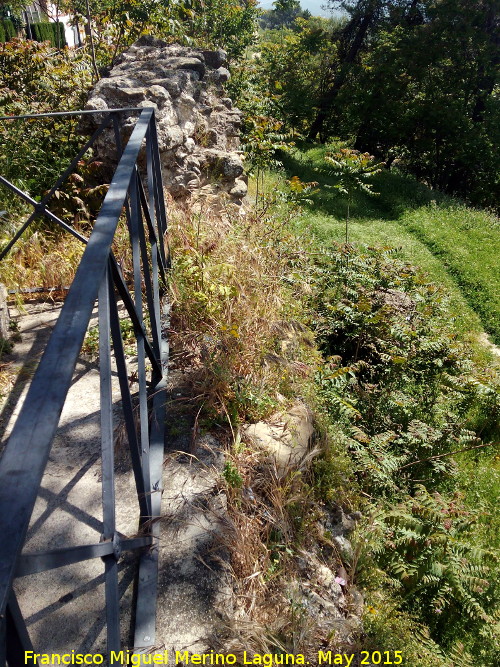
point(7, 30)
point(428, 552)
point(218, 24)
point(32, 81)
point(49, 32)
point(407, 398)
point(400, 383)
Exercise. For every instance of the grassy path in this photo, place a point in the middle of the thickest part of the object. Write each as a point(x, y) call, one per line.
point(457, 246)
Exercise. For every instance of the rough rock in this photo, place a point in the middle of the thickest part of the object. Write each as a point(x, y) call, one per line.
point(287, 436)
point(198, 127)
point(339, 522)
point(335, 609)
point(4, 314)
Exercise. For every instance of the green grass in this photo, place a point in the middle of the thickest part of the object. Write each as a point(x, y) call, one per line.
point(457, 246)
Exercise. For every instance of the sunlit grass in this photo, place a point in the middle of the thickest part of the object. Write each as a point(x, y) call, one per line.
point(457, 246)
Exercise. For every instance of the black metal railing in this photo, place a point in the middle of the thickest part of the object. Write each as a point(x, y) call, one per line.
point(139, 197)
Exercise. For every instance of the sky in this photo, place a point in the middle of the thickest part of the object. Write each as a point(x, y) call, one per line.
point(314, 6)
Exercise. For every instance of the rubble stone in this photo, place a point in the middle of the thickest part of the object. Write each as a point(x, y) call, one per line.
point(198, 127)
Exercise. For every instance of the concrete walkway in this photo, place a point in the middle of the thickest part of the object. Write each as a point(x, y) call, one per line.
point(64, 608)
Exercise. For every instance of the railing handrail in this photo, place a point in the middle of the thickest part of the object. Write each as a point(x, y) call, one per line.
point(27, 451)
point(82, 112)
point(26, 454)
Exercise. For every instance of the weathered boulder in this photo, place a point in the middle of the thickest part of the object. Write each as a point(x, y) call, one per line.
point(198, 127)
point(286, 436)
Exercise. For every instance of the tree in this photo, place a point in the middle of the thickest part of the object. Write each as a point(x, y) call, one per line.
point(367, 17)
point(350, 43)
point(113, 25)
point(353, 171)
point(418, 81)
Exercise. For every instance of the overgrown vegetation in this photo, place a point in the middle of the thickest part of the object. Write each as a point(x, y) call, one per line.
point(400, 395)
point(370, 308)
point(406, 396)
point(34, 79)
point(412, 81)
point(237, 285)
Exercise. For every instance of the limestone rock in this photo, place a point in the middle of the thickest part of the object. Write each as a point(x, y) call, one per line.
point(240, 189)
point(4, 314)
point(198, 127)
point(287, 436)
point(215, 59)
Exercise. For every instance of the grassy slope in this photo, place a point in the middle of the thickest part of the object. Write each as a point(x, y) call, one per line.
point(458, 247)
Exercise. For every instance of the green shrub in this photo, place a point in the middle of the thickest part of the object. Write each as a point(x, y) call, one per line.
point(404, 390)
point(406, 395)
point(2, 33)
point(8, 29)
point(32, 153)
point(49, 32)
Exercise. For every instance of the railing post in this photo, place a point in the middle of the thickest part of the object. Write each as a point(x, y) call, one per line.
point(18, 640)
point(108, 467)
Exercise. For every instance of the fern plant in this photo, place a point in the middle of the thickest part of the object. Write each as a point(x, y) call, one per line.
point(427, 553)
point(353, 171)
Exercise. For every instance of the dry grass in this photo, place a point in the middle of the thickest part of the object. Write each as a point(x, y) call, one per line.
point(235, 278)
point(238, 290)
point(277, 526)
point(42, 259)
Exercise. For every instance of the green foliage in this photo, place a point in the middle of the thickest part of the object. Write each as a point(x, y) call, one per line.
point(285, 72)
point(404, 389)
point(7, 30)
point(412, 80)
point(231, 475)
point(387, 625)
point(352, 170)
point(300, 192)
point(225, 24)
point(262, 141)
point(405, 397)
point(400, 388)
point(283, 14)
point(455, 244)
point(418, 82)
point(33, 79)
point(116, 25)
point(426, 550)
point(49, 32)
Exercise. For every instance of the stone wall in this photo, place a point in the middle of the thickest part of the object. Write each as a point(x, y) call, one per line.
point(198, 127)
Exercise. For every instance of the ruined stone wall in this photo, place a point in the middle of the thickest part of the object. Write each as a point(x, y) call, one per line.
point(198, 127)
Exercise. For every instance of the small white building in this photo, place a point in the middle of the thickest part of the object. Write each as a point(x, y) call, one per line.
point(41, 10)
